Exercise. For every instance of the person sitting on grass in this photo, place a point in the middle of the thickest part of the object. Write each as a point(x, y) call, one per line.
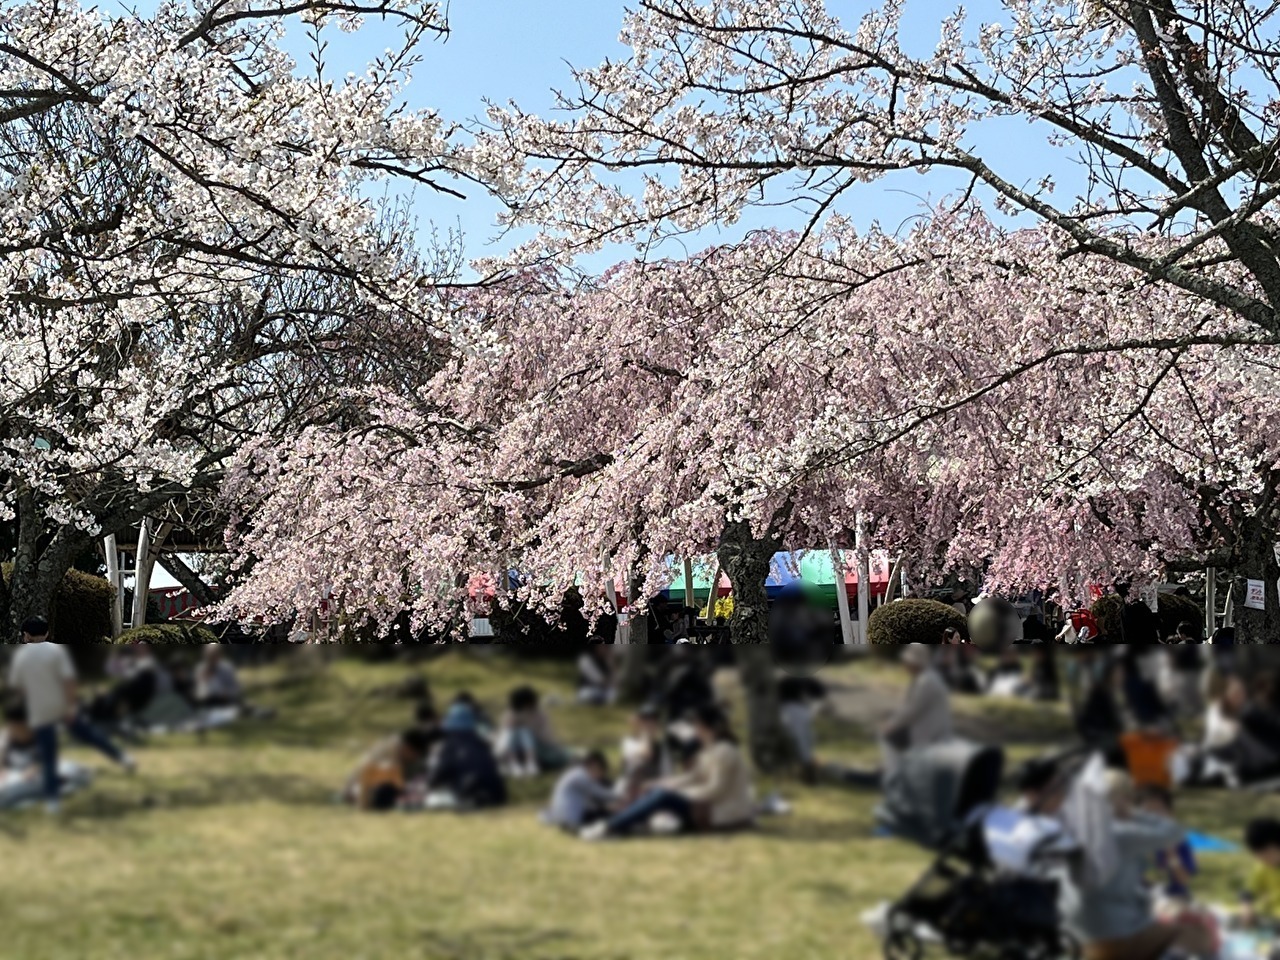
point(595, 676)
point(18, 750)
point(925, 715)
point(1176, 866)
point(526, 744)
point(644, 753)
point(583, 795)
point(217, 683)
point(379, 782)
point(1115, 917)
point(484, 723)
point(1262, 891)
point(464, 768)
point(1242, 736)
point(715, 794)
point(798, 699)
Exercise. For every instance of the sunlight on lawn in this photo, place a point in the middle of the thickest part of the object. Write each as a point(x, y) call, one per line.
point(233, 848)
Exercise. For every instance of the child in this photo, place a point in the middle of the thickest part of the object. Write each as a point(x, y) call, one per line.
point(379, 782)
point(1262, 891)
point(18, 753)
point(1176, 866)
point(583, 794)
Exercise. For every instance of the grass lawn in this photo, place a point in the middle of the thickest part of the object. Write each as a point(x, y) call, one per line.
point(233, 848)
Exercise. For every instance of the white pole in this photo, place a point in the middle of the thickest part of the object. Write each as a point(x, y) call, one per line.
point(842, 598)
point(689, 600)
point(1210, 601)
point(112, 555)
point(714, 593)
point(150, 540)
point(864, 579)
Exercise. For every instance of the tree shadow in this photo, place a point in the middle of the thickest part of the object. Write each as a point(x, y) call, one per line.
point(507, 943)
point(215, 790)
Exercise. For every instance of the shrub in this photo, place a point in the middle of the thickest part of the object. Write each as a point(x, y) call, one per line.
point(1109, 612)
point(1174, 610)
point(169, 634)
point(81, 607)
point(913, 621)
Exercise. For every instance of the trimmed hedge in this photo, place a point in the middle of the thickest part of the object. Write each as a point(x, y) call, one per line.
point(1174, 609)
point(81, 607)
point(162, 634)
point(913, 621)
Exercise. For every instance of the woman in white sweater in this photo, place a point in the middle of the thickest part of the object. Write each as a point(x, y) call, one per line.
point(715, 794)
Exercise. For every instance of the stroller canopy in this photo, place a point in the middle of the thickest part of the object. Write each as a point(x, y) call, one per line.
point(936, 790)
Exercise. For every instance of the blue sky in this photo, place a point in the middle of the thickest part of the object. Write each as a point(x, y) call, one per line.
point(520, 50)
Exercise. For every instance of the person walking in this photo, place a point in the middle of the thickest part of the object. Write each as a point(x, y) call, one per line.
point(44, 674)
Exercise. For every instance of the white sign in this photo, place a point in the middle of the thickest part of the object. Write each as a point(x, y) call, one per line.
point(1255, 595)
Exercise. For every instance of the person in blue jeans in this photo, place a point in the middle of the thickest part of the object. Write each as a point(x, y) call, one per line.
point(715, 794)
point(45, 676)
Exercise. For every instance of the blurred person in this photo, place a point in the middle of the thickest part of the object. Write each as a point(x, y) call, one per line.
point(686, 683)
point(216, 682)
point(43, 673)
point(798, 699)
point(1246, 734)
point(644, 752)
point(716, 793)
point(924, 718)
point(19, 752)
point(595, 676)
point(1175, 867)
point(956, 663)
point(1115, 918)
point(1100, 721)
point(464, 767)
point(379, 781)
point(526, 744)
point(583, 795)
point(1186, 666)
point(1261, 895)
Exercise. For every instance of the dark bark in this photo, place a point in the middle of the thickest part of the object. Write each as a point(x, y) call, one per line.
point(633, 671)
point(206, 594)
point(745, 559)
point(1257, 561)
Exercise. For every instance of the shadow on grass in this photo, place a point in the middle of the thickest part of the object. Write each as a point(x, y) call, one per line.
point(218, 790)
point(507, 943)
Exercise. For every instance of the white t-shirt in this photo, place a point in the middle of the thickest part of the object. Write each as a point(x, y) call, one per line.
point(42, 671)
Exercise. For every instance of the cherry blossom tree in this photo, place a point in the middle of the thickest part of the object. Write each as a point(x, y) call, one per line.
point(193, 255)
point(1170, 107)
point(981, 400)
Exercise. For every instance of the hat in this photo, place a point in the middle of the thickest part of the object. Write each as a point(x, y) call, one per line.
point(917, 655)
point(459, 718)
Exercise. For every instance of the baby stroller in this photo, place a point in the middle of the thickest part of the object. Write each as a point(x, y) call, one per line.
point(941, 798)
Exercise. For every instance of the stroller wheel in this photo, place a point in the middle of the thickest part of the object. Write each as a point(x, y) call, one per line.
point(903, 946)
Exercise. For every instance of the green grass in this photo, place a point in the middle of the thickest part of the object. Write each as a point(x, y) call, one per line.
point(232, 848)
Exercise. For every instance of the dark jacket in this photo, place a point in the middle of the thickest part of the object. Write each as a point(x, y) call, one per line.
point(466, 766)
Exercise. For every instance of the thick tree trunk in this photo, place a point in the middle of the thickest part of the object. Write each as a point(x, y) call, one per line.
point(746, 560)
point(190, 580)
point(1257, 561)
